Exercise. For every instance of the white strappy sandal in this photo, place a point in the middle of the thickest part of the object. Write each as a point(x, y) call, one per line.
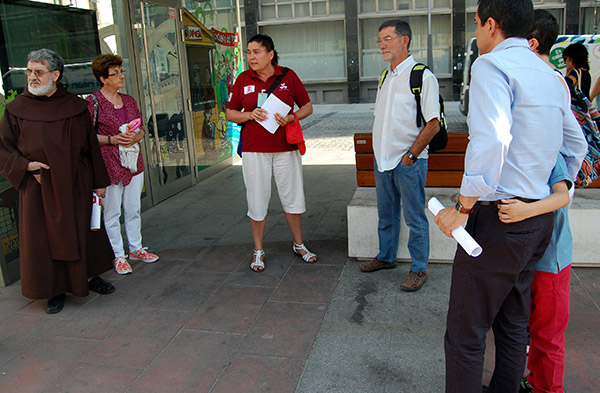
point(258, 264)
point(307, 256)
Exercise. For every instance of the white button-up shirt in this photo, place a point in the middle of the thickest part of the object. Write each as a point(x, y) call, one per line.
point(395, 127)
point(519, 119)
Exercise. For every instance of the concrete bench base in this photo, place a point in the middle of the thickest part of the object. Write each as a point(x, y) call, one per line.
point(584, 216)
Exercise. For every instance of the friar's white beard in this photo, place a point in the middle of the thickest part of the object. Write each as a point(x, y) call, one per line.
point(42, 90)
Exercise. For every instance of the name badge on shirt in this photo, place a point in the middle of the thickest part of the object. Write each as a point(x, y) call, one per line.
point(249, 89)
point(262, 97)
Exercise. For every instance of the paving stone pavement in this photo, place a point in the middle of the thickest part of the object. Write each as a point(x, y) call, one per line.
point(199, 320)
point(332, 127)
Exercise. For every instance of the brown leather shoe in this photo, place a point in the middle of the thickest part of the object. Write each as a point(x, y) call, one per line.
point(375, 264)
point(414, 281)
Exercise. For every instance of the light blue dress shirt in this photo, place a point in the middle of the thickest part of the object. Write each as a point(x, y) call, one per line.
point(519, 119)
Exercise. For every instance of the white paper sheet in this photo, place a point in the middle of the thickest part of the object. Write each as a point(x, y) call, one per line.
point(273, 105)
point(460, 234)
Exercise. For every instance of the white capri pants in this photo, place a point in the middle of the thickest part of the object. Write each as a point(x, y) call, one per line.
point(130, 198)
point(286, 167)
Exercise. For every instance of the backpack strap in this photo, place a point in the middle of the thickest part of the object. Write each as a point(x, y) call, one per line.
point(578, 73)
point(277, 81)
point(563, 81)
point(271, 89)
point(96, 107)
point(382, 76)
point(416, 84)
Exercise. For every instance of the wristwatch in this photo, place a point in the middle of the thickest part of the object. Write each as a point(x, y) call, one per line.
point(461, 209)
point(411, 156)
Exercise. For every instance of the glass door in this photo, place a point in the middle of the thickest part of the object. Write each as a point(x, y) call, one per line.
point(160, 65)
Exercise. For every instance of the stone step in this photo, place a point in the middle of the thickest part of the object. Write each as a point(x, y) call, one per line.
point(584, 216)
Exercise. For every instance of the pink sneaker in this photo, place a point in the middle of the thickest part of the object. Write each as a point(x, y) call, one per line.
point(143, 255)
point(122, 266)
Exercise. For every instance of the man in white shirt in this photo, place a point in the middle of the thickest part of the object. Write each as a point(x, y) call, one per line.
point(519, 120)
point(400, 149)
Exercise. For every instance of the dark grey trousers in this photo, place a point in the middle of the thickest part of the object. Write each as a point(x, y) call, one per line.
point(492, 291)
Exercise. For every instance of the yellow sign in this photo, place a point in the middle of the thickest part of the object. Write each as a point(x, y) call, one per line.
point(10, 244)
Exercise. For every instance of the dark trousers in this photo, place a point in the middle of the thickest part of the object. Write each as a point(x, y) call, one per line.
point(492, 291)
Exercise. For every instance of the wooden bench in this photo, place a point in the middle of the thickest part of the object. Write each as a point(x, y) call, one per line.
point(446, 166)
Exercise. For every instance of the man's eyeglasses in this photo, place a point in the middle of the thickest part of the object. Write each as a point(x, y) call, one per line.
point(386, 40)
point(117, 73)
point(37, 73)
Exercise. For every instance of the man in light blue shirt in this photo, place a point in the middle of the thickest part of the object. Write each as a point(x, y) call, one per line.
point(519, 120)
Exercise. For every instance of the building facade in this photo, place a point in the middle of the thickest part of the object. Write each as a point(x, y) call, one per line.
point(180, 57)
point(331, 43)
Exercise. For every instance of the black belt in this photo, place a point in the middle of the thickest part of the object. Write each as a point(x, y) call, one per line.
point(496, 203)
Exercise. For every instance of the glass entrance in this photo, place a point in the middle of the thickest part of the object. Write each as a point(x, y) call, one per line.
point(208, 76)
point(168, 152)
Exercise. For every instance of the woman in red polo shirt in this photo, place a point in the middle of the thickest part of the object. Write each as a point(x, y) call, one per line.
point(265, 154)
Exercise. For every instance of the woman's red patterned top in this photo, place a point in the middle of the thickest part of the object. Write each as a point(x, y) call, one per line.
point(108, 124)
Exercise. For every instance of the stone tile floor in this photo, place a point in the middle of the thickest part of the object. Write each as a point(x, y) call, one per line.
point(200, 321)
point(190, 324)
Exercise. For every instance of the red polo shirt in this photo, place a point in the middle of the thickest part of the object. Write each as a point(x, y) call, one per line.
point(244, 95)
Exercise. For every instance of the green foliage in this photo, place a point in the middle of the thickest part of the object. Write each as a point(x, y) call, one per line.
point(12, 94)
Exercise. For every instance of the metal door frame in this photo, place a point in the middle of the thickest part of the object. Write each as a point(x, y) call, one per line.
point(157, 191)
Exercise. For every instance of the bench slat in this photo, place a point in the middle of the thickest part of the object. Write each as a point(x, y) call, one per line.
point(436, 162)
point(434, 179)
point(445, 162)
point(457, 143)
point(445, 166)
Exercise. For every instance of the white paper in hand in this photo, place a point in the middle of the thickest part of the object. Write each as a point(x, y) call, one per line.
point(273, 105)
point(460, 234)
point(96, 212)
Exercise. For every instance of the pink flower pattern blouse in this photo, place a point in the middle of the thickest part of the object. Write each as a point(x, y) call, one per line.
point(109, 122)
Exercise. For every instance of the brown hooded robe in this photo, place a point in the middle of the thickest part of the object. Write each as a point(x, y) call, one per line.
point(57, 249)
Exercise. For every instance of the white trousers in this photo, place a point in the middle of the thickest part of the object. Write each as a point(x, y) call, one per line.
point(258, 170)
point(130, 198)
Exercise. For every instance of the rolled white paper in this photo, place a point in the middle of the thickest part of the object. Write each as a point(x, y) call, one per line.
point(96, 212)
point(461, 235)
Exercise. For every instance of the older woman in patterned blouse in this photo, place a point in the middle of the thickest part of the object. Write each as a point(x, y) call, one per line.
point(111, 110)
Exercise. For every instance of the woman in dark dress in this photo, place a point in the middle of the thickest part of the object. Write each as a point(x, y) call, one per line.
point(578, 67)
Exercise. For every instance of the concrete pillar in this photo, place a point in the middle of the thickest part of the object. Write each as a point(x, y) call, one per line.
point(458, 44)
point(572, 19)
point(251, 13)
point(352, 69)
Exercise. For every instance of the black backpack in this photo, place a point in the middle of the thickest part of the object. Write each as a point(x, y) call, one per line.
point(440, 140)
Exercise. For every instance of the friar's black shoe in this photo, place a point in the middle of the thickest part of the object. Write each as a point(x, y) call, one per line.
point(55, 304)
point(100, 286)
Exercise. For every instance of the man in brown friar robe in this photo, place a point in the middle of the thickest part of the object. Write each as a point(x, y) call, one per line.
point(49, 152)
